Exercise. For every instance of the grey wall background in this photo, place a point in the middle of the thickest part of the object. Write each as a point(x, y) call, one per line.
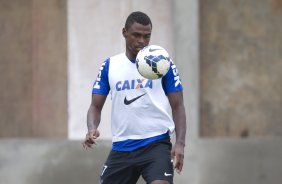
point(33, 68)
point(216, 44)
point(241, 57)
point(207, 161)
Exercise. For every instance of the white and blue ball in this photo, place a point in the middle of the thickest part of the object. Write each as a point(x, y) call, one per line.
point(153, 62)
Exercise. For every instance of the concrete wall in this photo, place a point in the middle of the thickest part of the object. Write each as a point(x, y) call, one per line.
point(16, 95)
point(241, 82)
point(207, 161)
point(33, 68)
point(186, 47)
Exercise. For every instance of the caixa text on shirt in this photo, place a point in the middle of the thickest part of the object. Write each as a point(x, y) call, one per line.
point(134, 84)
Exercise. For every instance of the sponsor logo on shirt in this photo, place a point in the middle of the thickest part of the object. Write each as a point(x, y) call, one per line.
point(134, 84)
point(128, 102)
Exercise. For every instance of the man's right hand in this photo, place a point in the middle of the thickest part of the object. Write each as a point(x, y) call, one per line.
point(90, 138)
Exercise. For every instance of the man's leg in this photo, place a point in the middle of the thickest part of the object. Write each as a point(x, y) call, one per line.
point(118, 169)
point(157, 167)
point(160, 182)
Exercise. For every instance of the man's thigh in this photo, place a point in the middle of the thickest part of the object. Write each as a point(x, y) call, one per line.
point(118, 169)
point(157, 165)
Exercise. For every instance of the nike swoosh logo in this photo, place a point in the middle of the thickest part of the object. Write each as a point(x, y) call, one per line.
point(167, 174)
point(127, 102)
point(152, 50)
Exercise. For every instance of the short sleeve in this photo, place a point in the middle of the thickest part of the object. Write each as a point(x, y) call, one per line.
point(171, 81)
point(101, 85)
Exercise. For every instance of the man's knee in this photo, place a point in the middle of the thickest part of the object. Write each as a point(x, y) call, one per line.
point(160, 182)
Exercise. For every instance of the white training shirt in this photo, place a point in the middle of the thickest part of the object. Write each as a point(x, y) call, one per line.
point(140, 107)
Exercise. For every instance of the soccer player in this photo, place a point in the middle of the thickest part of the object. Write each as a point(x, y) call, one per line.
point(141, 121)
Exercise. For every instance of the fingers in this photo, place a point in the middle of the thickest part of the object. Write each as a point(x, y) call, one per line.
point(90, 139)
point(177, 158)
point(86, 144)
point(178, 164)
point(97, 133)
point(92, 135)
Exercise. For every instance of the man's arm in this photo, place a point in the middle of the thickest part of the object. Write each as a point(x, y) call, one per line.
point(179, 118)
point(93, 119)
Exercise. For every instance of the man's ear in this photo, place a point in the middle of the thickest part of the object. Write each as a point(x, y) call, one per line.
point(124, 32)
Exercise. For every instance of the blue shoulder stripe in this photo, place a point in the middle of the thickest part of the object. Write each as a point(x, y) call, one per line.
point(101, 85)
point(171, 81)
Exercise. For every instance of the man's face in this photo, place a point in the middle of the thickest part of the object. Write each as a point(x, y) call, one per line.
point(136, 36)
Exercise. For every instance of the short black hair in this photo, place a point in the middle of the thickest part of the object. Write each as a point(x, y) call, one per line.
point(138, 17)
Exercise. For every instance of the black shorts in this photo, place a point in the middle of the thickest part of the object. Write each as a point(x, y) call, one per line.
point(152, 162)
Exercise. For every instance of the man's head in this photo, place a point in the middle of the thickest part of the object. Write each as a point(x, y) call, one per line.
point(137, 33)
point(138, 17)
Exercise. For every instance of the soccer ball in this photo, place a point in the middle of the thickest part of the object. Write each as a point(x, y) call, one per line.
point(153, 62)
